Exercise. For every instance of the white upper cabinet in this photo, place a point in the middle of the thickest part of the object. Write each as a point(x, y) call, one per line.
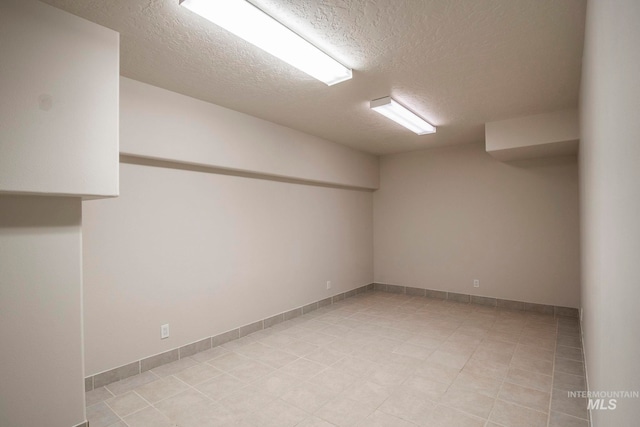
point(59, 90)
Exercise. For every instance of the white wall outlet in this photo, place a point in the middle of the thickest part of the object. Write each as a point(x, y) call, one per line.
point(164, 331)
point(328, 284)
point(476, 283)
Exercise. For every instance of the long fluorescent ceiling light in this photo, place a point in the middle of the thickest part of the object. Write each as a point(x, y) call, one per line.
point(253, 25)
point(399, 114)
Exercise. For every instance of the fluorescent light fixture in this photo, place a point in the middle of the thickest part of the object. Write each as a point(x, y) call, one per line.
point(399, 114)
point(253, 25)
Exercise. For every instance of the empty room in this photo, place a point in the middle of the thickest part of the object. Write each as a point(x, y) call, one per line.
point(368, 213)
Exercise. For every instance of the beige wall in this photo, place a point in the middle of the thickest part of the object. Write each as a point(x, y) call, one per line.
point(207, 253)
point(160, 124)
point(444, 217)
point(41, 378)
point(59, 77)
point(610, 202)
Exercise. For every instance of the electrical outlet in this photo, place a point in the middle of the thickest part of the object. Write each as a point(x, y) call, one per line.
point(164, 331)
point(328, 284)
point(476, 283)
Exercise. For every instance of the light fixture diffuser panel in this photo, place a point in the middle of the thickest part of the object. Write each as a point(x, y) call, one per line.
point(399, 114)
point(253, 25)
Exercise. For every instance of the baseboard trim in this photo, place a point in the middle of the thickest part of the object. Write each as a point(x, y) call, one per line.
point(84, 424)
point(556, 311)
point(134, 368)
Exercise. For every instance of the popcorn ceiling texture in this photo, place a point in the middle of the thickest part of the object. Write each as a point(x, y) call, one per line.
point(459, 63)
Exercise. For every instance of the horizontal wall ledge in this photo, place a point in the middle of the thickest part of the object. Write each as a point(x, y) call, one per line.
point(172, 164)
point(159, 124)
point(541, 135)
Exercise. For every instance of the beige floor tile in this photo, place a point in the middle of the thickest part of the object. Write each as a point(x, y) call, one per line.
point(567, 366)
point(576, 406)
point(456, 361)
point(148, 417)
point(437, 372)
point(538, 366)
point(308, 396)
point(546, 343)
point(389, 375)
point(356, 366)
point(276, 358)
point(126, 404)
point(302, 369)
point(174, 367)
point(247, 399)
point(177, 406)
point(532, 352)
point(334, 379)
point(443, 416)
point(229, 361)
point(480, 384)
point(251, 371)
point(205, 356)
point(534, 399)
point(317, 338)
point(96, 396)
point(131, 383)
point(211, 415)
point(381, 419)
point(161, 389)
point(511, 415)
point(486, 368)
point(378, 359)
point(278, 414)
point(314, 421)
point(344, 412)
point(277, 340)
point(415, 351)
point(425, 341)
point(100, 415)
point(198, 374)
point(220, 386)
point(408, 405)
point(367, 392)
point(276, 383)
point(569, 353)
point(299, 348)
point(568, 382)
point(558, 419)
point(254, 350)
point(432, 390)
point(529, 379)
point(468, 401)
point(491, 355)
point(325, 356)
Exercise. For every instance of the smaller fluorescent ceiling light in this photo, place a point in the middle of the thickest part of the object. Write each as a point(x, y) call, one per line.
point(399, 114)
point(253, 25)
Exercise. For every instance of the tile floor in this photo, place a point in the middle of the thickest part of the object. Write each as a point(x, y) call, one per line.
point(376, 359)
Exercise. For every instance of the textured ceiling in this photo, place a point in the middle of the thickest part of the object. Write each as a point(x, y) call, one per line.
point(459, 63)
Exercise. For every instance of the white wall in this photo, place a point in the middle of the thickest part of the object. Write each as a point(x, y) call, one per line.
point(444, 217)
point(542, 135)
point(207, 252)
point(59, 102)
point(41, 374)
point(160, 124)
point(610, 204)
